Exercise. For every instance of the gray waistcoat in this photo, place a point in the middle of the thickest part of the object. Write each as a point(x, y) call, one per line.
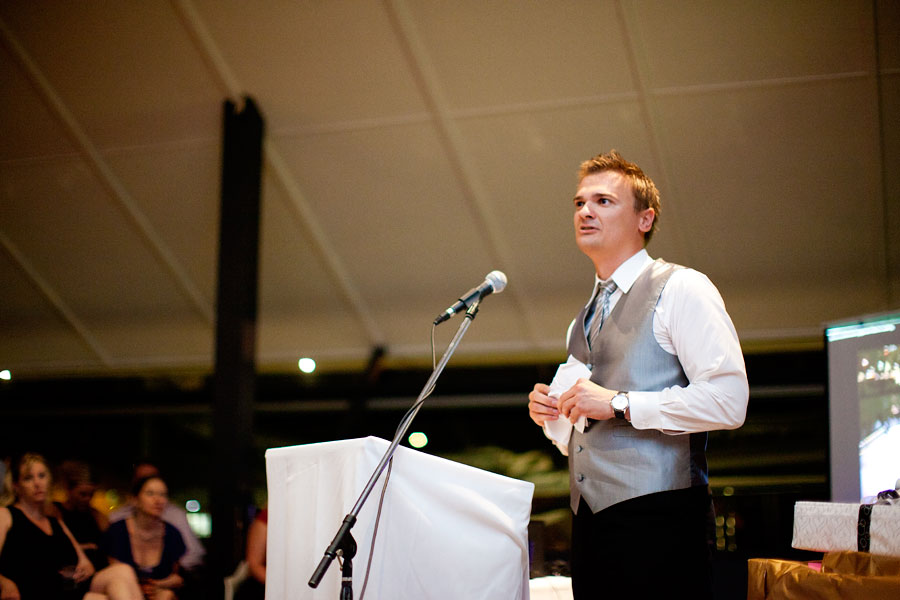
point(612, 461)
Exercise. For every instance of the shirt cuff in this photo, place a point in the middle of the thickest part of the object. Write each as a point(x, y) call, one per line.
point(644, 411)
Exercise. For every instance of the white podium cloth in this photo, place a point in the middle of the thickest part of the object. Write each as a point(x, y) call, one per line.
point(447, 530)
point(552, 587)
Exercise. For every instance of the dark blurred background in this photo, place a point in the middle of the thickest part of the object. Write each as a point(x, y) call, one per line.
point(476, 416)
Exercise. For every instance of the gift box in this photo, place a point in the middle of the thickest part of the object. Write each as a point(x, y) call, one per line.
point(832, 526)
point(843, 575)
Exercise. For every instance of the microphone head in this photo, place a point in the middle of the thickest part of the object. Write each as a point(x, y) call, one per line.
point(497, 280)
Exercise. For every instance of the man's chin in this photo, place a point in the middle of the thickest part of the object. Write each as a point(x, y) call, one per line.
point(588, 242)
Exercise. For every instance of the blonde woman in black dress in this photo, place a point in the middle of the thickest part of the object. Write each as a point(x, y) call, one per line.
point(39, 557)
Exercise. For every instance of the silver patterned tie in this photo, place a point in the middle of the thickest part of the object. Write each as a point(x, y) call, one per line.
point(601, 310)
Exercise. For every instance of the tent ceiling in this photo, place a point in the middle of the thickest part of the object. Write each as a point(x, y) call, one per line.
point(415, 145)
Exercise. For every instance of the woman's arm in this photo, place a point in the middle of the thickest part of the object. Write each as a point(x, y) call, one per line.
point(8, 589)
point(85, 567)
point(256, 550)
point(174, 580)
point(5, 524)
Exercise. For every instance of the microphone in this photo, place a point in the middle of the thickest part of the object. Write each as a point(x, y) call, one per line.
point(494, 282)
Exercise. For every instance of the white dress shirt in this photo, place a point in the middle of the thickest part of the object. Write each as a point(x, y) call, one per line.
point(690, 322)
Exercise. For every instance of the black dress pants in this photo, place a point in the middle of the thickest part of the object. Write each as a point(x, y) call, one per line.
point(644, 547)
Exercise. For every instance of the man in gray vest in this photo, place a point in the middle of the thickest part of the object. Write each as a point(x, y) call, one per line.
point(665, 367)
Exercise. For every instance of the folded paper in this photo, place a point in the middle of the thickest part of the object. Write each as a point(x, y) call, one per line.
point(567, 375)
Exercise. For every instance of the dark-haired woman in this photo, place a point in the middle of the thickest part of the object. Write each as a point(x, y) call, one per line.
point(148, 543)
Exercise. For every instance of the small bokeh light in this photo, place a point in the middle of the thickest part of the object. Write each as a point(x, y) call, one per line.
point(418, 439)
point(192, 506)
point(307, 365)
point(112, 499)
point(5, 375)
point(201, 523)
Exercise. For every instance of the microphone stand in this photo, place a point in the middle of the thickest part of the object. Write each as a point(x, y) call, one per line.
point(343, 543)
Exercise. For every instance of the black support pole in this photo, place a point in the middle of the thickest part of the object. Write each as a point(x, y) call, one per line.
point(235, 358)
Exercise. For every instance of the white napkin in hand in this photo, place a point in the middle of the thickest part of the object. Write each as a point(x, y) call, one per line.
point(566, 376)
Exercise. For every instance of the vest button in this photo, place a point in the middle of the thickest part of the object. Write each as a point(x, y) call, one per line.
point(579, 448)
point(580, 477)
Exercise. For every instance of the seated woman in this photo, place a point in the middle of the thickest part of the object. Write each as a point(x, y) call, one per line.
point(39, 557)
point(148, 543)
point(85, 522)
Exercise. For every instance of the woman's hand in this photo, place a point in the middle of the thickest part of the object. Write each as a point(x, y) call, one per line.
point(83, 570)
point(151, 586)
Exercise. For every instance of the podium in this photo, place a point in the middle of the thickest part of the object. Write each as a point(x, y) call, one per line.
point(447, 531)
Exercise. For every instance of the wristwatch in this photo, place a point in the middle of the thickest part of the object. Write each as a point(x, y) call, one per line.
point(619, 404)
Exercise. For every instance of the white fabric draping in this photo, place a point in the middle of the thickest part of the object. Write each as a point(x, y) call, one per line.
point(552, 587)
point(447, 531)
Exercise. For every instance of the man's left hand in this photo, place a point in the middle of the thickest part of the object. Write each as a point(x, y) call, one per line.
point(586, 399)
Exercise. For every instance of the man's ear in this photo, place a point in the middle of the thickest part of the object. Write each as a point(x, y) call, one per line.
point(647, 216)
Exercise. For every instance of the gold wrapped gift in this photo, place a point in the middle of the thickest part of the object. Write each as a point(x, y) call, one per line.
point(844, 575)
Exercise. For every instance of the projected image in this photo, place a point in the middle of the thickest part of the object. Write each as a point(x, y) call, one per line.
point(878, 386)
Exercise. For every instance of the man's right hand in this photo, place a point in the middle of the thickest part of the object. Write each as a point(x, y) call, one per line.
point(541, 407)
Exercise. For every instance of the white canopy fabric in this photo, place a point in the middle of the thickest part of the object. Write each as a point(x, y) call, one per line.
point(447, 530)
point(412, 146)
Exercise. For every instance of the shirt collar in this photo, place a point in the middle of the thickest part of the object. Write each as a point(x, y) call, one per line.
point(628, 271)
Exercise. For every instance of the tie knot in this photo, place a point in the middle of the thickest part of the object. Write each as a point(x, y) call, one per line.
point(607, 288)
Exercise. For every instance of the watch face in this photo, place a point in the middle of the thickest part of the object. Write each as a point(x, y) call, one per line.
point(620, 402)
